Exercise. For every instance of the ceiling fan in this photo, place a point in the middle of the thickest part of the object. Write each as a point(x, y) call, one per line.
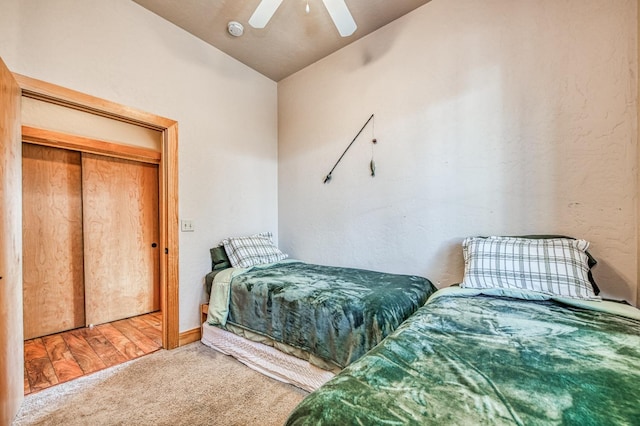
point(337, 9)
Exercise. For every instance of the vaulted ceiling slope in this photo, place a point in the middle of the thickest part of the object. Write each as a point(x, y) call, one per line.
point(291, 40)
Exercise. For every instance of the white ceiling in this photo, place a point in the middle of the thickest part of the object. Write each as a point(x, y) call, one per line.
point(291, 40)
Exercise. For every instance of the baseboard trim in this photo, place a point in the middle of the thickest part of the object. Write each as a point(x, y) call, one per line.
point(189, 336)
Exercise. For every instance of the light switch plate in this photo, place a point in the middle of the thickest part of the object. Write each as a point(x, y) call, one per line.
point(186, 226)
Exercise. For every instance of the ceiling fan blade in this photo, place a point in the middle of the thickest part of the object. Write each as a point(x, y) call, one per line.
point(341, 17)
point(263, 13)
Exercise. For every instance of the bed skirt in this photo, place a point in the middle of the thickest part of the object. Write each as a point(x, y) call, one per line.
point(265, 359)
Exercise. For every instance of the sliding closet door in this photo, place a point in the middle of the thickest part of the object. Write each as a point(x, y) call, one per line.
point(53, 289)
point(121, 253)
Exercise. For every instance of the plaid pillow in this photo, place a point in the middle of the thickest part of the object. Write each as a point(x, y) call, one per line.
point(258, 249)
point(555, 266)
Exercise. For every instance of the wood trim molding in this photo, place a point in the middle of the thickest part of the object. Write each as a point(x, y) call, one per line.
point(168, 167)
point(170, 237)
point(190, 336)
point(47, 92)
point(78, 143)
point(11, 330)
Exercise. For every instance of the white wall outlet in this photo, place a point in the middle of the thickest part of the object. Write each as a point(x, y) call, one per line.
point(186, 226)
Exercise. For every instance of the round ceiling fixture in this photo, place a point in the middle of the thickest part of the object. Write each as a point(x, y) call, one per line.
point(235, 28)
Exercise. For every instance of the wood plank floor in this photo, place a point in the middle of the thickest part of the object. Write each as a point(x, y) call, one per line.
point(54, 359)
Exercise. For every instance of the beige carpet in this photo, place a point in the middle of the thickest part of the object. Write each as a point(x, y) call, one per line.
point(191, 385)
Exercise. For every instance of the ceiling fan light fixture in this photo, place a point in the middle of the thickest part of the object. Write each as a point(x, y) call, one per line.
point(235, 28)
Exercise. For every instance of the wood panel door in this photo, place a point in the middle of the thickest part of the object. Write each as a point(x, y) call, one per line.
point(121, 252)
point(11, 337)
point(53, 277)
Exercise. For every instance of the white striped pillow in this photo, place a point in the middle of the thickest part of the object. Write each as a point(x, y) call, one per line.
point(554, 266)
point(244, 252)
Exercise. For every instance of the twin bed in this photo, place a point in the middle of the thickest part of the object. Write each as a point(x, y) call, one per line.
point(467, 358)
point(302, 323)
point(524, 339)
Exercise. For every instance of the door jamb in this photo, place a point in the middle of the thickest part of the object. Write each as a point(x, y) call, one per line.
point(168, 171)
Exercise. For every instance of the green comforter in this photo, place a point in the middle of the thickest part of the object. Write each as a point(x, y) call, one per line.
point(336, 314)
point(491, 360)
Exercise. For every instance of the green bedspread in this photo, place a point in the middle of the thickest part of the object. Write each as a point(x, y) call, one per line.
point(334, 313)
point(491, 360)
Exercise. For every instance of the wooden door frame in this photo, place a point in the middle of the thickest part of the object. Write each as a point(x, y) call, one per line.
point(11, 331)
point(168, 182)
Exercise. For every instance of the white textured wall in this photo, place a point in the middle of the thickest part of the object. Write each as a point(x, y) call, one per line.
point(493, 117)
point(227, 113)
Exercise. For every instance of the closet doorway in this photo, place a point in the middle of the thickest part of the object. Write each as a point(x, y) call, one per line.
point(14, 88)
point(164, 159)
point(90, 239)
